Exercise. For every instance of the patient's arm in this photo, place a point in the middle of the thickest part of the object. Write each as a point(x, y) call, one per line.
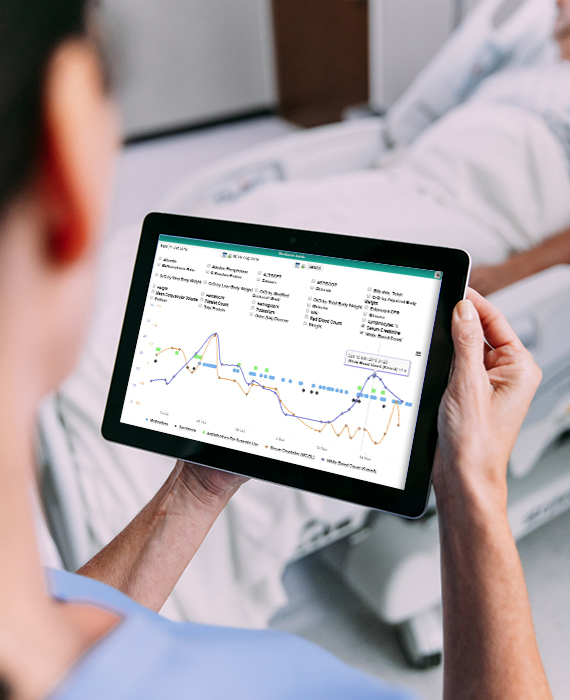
point(553, 251)
point(490, 649)
point(148, 557)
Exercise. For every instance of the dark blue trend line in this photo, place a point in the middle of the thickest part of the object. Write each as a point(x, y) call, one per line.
point(253, 381)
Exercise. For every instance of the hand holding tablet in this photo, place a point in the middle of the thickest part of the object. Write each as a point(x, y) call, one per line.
point(312, 360)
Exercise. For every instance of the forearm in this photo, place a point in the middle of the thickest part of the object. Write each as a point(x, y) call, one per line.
point(148, 557)
point(490, 645)
point(553, 251)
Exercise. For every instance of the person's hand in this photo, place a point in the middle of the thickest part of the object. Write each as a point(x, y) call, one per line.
point(148, 557)
point(205, 484)
point(484, 405)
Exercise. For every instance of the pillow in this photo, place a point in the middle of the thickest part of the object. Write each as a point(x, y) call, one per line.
point(495, 34)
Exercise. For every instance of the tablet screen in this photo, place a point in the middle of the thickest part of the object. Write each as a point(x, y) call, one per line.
point(306, 359)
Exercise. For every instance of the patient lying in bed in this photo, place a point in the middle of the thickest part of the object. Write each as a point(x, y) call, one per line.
point(491, 176)
point(543, 90)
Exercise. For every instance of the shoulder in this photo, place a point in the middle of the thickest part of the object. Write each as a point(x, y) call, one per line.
point(148, 657)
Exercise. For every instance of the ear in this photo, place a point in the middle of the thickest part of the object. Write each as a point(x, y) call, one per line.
point(79, 141)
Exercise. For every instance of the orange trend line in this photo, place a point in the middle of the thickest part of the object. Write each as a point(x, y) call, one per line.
point(276, 390)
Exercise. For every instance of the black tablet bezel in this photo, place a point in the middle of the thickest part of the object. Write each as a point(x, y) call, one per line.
point(410, 502)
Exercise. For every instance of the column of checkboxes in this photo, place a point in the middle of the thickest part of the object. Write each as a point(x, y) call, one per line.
point(365, 312)
point(308, 310)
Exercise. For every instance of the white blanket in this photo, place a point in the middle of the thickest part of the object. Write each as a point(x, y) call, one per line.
point(491, 179)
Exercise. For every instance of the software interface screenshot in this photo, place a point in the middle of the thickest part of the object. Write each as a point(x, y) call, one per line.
point(306, 359)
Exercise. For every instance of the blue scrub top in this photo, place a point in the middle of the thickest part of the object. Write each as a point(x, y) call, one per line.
point(149, 657)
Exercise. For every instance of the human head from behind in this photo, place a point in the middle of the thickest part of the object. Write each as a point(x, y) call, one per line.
point(58, 137)
point(562, 28)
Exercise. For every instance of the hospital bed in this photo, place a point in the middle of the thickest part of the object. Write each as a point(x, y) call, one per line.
point(392, 565)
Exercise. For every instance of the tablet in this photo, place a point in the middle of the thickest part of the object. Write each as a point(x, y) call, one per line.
point(312, 360)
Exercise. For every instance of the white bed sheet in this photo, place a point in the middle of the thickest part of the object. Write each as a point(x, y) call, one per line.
point(491, 179)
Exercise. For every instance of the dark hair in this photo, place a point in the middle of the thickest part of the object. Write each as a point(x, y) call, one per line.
point(5, 692)
point(30, 31)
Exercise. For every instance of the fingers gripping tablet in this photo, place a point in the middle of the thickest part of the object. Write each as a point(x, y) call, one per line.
point(312, 360)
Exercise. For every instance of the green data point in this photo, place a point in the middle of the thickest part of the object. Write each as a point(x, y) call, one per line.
point(157, 349)
point(382, 393)
point(176, 353)
point(239, 364)
point(359, 388)
point(197, 357)
point(373, 391)
point(266, 370)
point(255, 367)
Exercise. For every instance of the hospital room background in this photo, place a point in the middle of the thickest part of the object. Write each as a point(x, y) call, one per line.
point(383, 118)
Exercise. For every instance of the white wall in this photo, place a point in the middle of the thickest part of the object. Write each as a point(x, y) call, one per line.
point(186, 61)
point(404, 36)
